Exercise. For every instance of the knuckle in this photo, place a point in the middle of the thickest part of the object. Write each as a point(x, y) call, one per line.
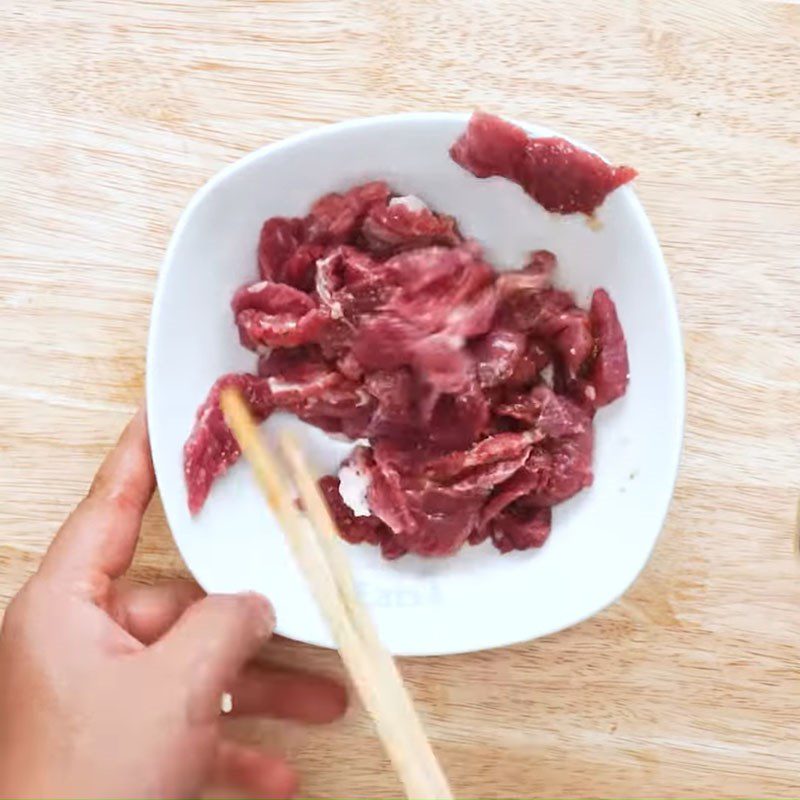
point(110, 493)
point(230, 605)
point(250, 608)
point(99, 484)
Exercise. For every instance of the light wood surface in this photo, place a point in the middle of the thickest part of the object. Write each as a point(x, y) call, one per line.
point(112, 114)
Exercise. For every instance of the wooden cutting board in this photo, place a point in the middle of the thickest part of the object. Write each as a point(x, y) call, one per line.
point(114, 113)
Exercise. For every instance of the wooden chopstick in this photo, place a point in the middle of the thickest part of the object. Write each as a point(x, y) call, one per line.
point(319, 555)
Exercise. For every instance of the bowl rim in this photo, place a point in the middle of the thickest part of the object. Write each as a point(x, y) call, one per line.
point(674, 450)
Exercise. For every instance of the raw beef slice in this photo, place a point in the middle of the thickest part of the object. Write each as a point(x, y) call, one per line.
point(558, 175)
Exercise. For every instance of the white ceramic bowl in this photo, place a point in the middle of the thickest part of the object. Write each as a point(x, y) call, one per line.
point(477, 599)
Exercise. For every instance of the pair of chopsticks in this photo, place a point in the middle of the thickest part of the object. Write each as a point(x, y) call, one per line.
point(322, 560)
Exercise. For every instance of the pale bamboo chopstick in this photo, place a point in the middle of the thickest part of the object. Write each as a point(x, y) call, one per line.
point(321, 559)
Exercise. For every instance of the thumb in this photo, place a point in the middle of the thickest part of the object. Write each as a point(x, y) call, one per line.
point(210, 643)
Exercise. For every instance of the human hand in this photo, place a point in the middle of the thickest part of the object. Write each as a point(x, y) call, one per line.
point(109, 689)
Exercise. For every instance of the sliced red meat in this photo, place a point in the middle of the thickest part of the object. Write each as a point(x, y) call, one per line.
point(532, 477)
point(542, 263)
point(558, 175)
point(335, 337)
point(258, 330)
point(549, 315)
point(443, 289)
point(452, 421)
point(211, 448)
point(358, 530)
point(535, 276)
point(520, 528)
point(609, 372)
point(552, 415)
point(443, 362)
point(535, 358)
point(350, 283)
point(348, 365)
point(396, 414)
point(426, 518)
point(571, 470)
point(433, 505)
point(293, 360)
point(519, 406)
point(490, 146)
point(486, 477)
point(476, 391)
point(524, 309)
point(566, 179)
point(386, 496)
point(366, 282)
point(329, 280)
point(404, 225)
point(497, 355)
point(480, 533)
point(392, 548)
point(300, 268)
point(317, 392)
point(579, 390)
point(458, 420)
point(558, 415)
point(569, 334)
point(336, 218)
point(279, 241)
point(474, 316)
point(404, 456)
point(276, 315)
point(296, 374)
point(272, 298)
point(445, 517)
point(502, 447)
point(442, 298)
point(384, 341)
point(554, 472)
point(345, 408)
point(352, 529)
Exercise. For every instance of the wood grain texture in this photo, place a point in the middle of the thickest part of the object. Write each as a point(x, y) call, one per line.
point(112, 114)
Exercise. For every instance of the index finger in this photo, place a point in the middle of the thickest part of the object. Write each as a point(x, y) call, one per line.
point(99, 537)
